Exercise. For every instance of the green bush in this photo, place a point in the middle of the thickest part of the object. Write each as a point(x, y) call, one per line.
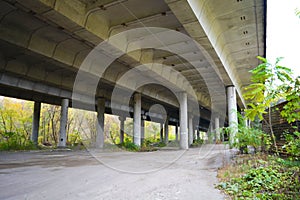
point(74, 139)
point(129, 145)
point(251, 137)
point(197, 143)
point(270, 180)
point(292, 145)
point(15, 141)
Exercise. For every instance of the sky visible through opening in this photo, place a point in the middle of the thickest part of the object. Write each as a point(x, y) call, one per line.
point(283, 33)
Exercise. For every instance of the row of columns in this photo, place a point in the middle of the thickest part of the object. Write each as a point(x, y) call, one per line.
point(186, 121)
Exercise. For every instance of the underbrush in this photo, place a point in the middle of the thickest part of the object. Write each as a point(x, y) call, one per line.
point(13, 141)
point(261, 176)
point(197, 143)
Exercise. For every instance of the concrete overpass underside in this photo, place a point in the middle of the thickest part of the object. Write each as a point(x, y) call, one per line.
point(123, 57)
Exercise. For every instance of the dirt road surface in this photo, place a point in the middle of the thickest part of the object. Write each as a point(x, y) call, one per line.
point(93, 175)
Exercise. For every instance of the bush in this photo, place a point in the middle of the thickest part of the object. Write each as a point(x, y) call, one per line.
point(269, 179)
point(15, 141)
point(129, 145)
point(251, 137)
point(197, 143)
point(292, 145)
point(74, 139)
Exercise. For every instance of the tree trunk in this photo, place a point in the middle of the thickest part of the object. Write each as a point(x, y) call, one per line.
point(271, 130)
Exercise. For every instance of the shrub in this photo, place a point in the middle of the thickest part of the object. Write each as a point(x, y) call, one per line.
point(74, 139)
point(292, 145)
point(15, 141)
point(197, 143)
point(252, 137)
point(271, 179)
point(129, 145)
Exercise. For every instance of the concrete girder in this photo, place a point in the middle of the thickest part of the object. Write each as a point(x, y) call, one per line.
point(125, 48)
point(36, 7)
point(55, 78)
point(41, 88)
point(67, 50)
point(49, 37)
point(200, 11)
point(57, 47)
point(156, 20)
point(19, 33)
point(215, 30)
point(60, 46)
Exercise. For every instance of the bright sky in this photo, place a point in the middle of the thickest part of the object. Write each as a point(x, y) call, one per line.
point(283, 33)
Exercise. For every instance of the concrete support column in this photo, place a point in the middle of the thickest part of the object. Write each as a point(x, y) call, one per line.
point(142, 130)
point(232, 112)
point(100, 123)
point(137, 119)
point(161, 132)
point(246, 122)
point(176, 132)
point(167, 130)
point(122, 122)
point(183, 121)
point(217, 129)
point(191, 129)
point(36, 122)
point(63, 123)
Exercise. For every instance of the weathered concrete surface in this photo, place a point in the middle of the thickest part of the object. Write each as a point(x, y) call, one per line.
point(86, 175)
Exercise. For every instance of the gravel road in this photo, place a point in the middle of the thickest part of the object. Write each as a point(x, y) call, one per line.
point(159, 175)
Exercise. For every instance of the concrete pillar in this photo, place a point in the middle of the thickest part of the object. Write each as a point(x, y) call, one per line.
point(137, 119)
point(246, 122)
point(212, 137)
point(183, 121)
point(161, 132)
point(122, 121)
point(191, 129)
point(142, 130)
point(217, 129)
point(176, 132)
point(100, 123)
point(232, 112)
point(166, 130)
point(36, 122)
point(63, 123)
